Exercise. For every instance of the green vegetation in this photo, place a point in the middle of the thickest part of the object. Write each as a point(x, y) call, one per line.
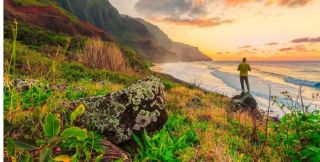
point(39, 125)
point(40, 3)
point(298, 133)
point(166, 145)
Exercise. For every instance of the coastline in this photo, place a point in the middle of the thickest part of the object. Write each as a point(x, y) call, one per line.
point(184, 83)
point(262, 113)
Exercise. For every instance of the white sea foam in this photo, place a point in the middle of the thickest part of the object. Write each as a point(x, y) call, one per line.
point(223, 78)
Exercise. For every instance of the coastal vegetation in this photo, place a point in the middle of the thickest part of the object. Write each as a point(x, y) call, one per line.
point(45, 71)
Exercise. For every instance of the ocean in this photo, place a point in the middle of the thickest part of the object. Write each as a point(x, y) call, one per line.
point(223, 78)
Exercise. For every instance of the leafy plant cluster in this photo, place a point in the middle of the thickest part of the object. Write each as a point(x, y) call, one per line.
point(166, 145)
point(36, 96)
point(57, 142)
point(297, 135)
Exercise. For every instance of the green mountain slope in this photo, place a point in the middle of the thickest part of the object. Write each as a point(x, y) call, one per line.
point(125, 29)
point(149, 41)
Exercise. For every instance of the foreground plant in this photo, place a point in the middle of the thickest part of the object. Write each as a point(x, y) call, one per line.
point(58, 144)
point(164, 145)
point(297, 135)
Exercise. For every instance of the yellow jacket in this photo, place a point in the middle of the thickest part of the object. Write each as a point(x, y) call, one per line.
point(244, 68)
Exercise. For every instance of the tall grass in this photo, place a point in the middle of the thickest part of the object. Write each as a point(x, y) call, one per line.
point(101, 55)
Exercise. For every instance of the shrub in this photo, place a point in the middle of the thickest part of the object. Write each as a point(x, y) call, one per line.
point(132, 58)
point(101, 55)
point(72, 71)
point(297, 135)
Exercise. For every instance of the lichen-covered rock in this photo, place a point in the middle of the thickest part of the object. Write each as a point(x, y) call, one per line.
point(244, 102)
point(120, 114)
point(22, 85)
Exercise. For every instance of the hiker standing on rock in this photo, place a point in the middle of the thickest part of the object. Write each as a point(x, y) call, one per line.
point(244, 68)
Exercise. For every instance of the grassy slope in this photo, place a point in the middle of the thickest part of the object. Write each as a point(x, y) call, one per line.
point(209, 133)
point(218, 134)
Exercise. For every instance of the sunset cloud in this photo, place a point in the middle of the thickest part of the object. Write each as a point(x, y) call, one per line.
point(292, 3)
point(180, 12)
point(199, 22)
point(281, 3)
point(299, 48)
point(172, 8)
point(286, 49)
point(244, 47)
point(272, 44)
point(237, 2)
point(306, 40)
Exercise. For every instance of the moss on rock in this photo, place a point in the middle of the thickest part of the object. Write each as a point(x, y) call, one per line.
point(119, 114)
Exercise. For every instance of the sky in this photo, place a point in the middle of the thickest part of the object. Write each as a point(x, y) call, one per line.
point(232, 29)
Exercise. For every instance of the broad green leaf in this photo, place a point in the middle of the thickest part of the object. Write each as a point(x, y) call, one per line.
point(25, 146)
point(45, 155)
point(78, 133)
point(99, 158)
point(26, 157)
point(77, 112)
point(51, 126)
point(62, 158)
point(10, 147)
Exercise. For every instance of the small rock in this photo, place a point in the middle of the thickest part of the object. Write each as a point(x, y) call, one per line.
point(195, 103)
point(22, 85)
point(205, 118)
point(276, 119)
point(59, 87)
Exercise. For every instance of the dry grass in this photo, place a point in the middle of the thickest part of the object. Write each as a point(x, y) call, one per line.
point(215, 141)
point(101, 55)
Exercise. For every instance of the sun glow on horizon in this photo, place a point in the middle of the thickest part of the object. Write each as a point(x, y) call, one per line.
point(232, 29)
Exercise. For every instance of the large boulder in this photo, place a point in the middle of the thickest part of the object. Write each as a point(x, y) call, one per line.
point(244, 102)
point(132, 110)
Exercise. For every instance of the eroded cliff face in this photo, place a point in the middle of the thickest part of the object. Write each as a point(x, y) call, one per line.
point(148, 40)
point(132, 110)
point(51, 17)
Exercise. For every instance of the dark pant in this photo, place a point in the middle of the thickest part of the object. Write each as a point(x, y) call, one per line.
point(244, 79)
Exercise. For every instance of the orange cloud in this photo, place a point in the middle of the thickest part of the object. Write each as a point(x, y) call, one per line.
point(199, 22)
point(306, 39)
point(299, 48)
point(283, 3)
point(236, 2)
point(243, 47)
point(272, 44)
point(293, 3)
point(199, 2)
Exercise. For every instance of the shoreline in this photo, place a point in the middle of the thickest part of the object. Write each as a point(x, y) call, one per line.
point(184, 83)
point(262, 112)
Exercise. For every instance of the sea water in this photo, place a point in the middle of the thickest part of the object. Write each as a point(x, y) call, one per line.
point(223, 78)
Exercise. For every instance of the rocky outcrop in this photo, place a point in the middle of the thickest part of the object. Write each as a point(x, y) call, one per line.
point(120, 114)
point(244, 102)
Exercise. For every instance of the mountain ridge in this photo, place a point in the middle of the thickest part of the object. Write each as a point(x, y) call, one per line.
point(98, 18)
point(137, 33)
